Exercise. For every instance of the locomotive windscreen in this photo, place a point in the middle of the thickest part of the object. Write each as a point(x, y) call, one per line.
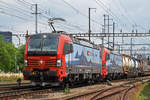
point(43, 44)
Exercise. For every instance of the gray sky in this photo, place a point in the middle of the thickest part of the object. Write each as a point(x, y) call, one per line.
point(128, 14)
point(15, 15)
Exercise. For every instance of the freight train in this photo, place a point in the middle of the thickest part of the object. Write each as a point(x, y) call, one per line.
point(57, 58)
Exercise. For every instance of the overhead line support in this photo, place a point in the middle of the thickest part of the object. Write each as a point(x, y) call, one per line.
point(110, 35)
point(36, 18)
point(90, 23)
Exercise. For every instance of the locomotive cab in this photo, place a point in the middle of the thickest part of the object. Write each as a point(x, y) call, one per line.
point(45, 58)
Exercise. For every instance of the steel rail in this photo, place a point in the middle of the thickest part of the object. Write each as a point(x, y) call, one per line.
point(124, 95)
point(88, 94)
point(21, 92)
point(95, 97)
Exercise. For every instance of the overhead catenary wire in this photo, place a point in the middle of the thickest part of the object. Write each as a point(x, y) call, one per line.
point(19, 13)
point(7, 12)
point(45, 15)
point(128, 16)
point(27, 4)
point(78, 11)
point(16, 7)
point(101, 4)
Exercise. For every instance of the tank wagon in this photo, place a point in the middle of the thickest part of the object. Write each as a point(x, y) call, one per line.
point(121, 65)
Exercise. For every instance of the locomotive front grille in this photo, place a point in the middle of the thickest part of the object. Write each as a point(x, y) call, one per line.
point(50, 63)
point(40, 62)
point(33, 62)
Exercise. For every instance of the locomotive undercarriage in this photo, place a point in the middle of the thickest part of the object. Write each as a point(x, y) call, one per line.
point(81, 74)
point(114, 76)
point(42, 77)
point(73, 79)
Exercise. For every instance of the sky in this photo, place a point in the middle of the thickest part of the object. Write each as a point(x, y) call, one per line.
point(16, 16)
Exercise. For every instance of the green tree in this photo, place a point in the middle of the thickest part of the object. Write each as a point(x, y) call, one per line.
point(20, 57)
point(11, 58)
point(4, 56)
point(12, 54)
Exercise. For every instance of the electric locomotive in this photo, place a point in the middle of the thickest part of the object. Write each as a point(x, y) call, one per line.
point(54, 59)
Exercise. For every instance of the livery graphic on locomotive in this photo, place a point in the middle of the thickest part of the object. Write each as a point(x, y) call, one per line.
point(56, 58)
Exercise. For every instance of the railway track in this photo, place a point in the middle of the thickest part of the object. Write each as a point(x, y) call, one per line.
point(13, 84)
point(4, 87)
point(125, 93)
point(120, 92)
point(97, 94)
point(100, 94)
point(106, 93)
point(24, 92)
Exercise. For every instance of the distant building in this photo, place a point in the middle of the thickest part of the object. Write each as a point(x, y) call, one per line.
point(7, 36)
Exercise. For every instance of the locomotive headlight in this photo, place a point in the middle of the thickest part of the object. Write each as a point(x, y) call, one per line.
point(25, 63)
point(59, 62)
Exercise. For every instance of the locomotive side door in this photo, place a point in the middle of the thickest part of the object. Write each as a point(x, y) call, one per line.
point(67, 51)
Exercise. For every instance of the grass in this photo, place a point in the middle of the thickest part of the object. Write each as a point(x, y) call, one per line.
point(67, 89)
point(144, 94)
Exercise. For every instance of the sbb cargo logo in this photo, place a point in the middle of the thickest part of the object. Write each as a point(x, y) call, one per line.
point(88, 53)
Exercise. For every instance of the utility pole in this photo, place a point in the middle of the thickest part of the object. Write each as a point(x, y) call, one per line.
point(36, 25)
point(104, 29)
point(90, 22)
point(102, 41)
point(27, 35)
point(36, 18)
point(106, 17)
point(108, 31)
point(104, 23)
point(113, 34)
point(131, 48)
